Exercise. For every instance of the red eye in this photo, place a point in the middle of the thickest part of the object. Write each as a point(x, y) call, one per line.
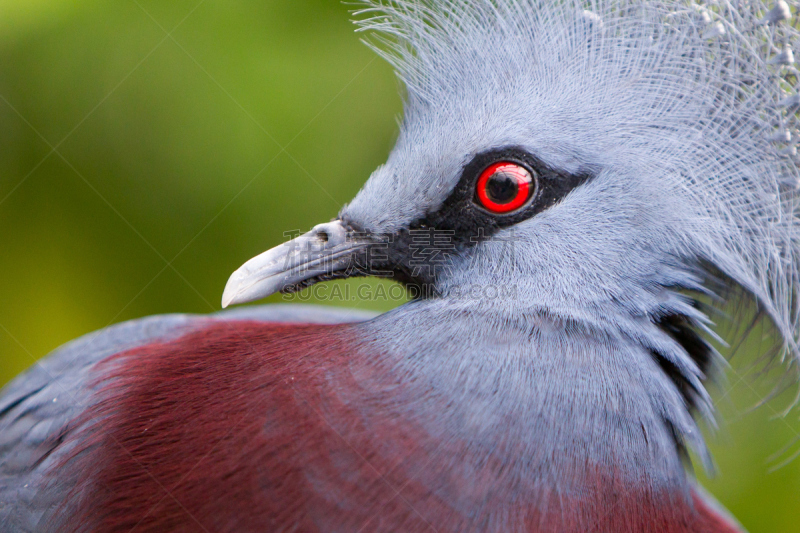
point(504, 187)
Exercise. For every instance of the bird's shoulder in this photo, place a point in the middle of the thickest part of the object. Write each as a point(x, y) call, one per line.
point(39, 408)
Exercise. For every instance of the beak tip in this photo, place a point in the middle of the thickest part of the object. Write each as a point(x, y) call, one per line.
point(230, 293)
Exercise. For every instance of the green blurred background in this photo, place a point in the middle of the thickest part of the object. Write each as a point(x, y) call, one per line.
point(148, 148)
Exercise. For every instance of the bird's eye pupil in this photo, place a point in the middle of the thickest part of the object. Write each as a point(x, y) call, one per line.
point(504, 187)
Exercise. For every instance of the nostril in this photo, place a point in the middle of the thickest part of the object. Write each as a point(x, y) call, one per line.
point(329, 234)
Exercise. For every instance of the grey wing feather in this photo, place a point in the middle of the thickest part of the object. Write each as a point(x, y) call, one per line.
point(39, 404)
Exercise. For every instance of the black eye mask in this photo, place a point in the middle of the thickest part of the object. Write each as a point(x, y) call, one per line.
point(461, 221)
point(463, 213)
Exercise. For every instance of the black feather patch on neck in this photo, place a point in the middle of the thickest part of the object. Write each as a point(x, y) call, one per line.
point(682, 329)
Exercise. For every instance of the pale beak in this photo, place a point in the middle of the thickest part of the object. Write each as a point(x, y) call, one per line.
point(327, 251)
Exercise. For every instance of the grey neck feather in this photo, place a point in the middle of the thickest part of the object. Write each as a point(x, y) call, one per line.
point(547, 395)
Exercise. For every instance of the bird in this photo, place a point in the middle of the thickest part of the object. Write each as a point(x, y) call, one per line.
point(577, 189)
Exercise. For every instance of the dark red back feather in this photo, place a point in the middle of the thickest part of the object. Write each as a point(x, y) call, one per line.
point(246, 426)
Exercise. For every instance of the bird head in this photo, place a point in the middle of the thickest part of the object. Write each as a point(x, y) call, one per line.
point(592, 166)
